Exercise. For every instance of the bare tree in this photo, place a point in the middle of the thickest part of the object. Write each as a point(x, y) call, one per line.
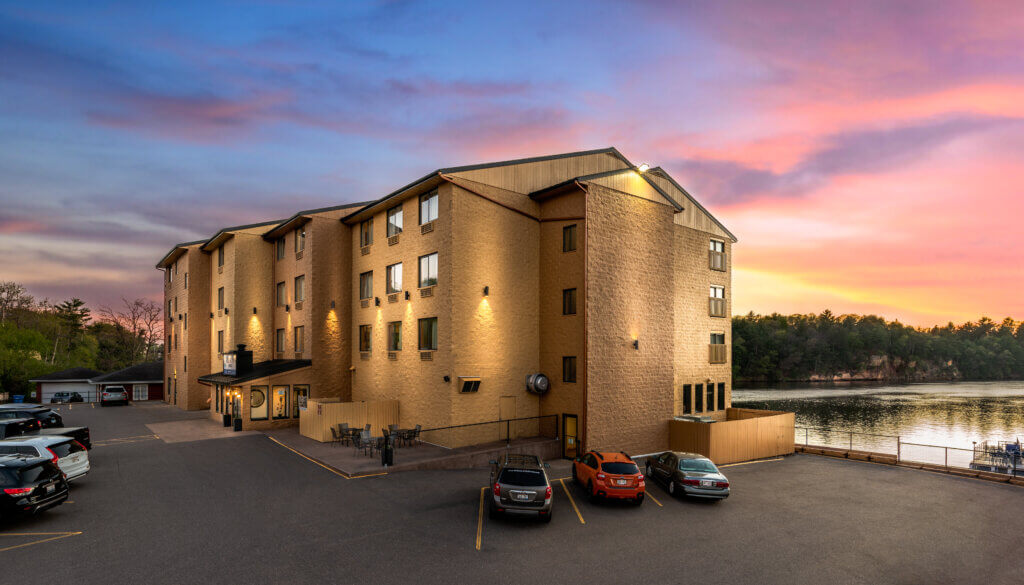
point(13, 296)
point(139, 324)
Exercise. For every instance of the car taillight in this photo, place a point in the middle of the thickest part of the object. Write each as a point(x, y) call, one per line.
point(691, 481)
point(17, 491)
point(640, 477)
point(497, 489)
point(600, 476)
point(55, 458)
point(80, 445)
point(547, 493)
point(722, 484)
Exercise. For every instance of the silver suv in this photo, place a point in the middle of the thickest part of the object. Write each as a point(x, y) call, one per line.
point(519, 485)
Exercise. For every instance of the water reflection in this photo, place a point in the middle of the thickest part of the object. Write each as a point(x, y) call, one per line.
point(947, 414)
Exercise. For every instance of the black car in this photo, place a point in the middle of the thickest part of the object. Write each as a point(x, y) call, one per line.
point(29, 485)
point(15, 427)
point(46, 417)
point(80, 434)
point(62, 397)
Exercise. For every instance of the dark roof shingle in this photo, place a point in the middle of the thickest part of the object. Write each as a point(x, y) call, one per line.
point(144, 372)
point(68, 375)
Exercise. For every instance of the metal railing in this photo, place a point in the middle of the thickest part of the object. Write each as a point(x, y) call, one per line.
point(496, 431)
point(948, 457)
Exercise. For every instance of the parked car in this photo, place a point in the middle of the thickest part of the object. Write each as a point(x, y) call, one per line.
point(609, 475)
point(29, 485)
point(47, 418)
point(688, 474)
point(519, 485)
point(70, 456)
point(15, 427)
point(80, 434)
point(64, 397)
point(113, 394)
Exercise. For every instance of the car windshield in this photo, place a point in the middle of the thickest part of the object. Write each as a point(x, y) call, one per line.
point(698, 465)
point(620, 468)
point(525, 477)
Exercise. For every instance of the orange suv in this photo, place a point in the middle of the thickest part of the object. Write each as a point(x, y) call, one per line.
point(609, 475)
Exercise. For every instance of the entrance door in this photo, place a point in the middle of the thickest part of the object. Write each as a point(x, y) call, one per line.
point(570, 441)
point(507, 411)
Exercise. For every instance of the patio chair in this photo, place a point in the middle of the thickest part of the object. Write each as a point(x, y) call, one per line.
point(365, 442)
point(335, 438)
point(413, 436)
point(343, 432)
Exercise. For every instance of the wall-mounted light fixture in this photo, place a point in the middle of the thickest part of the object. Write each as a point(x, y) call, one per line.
point(225, 310)
point(332, 304)
point(287, 308)
point(636, 344)
point(447, 378)
point(211, 314)
point(487, 290)
point(254, 310)
point(643, 167)
point(376, 301)
point(407, 295)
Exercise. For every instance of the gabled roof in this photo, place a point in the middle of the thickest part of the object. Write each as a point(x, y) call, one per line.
point(69, 375)
point(554, 189)
point(227, 233)
point(302, 217)
point(664, 174)
point(146, 372)
point(176, 253)
point(259, 370)
point(434, 178)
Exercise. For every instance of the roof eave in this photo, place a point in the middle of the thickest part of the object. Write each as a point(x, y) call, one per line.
point(428, 181)
point(667, 176)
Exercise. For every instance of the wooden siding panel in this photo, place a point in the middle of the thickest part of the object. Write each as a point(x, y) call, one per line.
point(533, 176)
point(321, 415)
point(745, 435)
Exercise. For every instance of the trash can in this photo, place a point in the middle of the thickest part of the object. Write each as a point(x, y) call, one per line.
point(227, 420)
point(18, 398)
point(238, 424)
point(387, 454)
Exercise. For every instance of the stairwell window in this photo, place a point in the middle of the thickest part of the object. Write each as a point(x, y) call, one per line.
point(394, 278)
point(569, 301)
point(279, 341)
point(428, 270)
point(300, 340)
point(220, 256)
point(395, 336)
point(220, 341)
point(365, 337)
point(569, 238)
point(428, 207)
point(282, 294)
point(279, 245)
point(395, 221)
point(428, 334)
point(220, 298)
point(366, 285)
point(569, 368)
point(186, 281)
point(300, 239)
point(300, 288)
point(366, 232)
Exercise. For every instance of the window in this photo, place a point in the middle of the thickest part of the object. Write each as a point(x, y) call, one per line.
point(428, 207)
point(300, 340)
point(300, 392)
point(184, 366)
point(365, 337)
point(721, 396)
point(366, 232)
point(395, 221)
point(395, 336)
point(428, 334)
point(280, 248)
point(569, 238)
point(716, 301)
point(279, 340)
point(220, 256)
point(220, 298)
point(717, 349)
point(428, 270)
point(258, 403)
point(220, 342)
point(280, 400)
point(711, 397)
point(300, 239)
point(176, 338)
point(718, 338)
point(300, 288)
point(717, 246)
point(716, 255)
point(282, 294)
point(186, 321)
point(569, 301)
point(175, 304)
point(394, 274)
point(170, 313)
point(717, 292)
point(186, 281)
point(698, 395)
point(569, 368)
point(366, 285)
point(687, 399)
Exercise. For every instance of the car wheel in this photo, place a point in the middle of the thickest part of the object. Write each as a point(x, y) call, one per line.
point(492, 512)
point(547, 518)
point(592, 492)
point(672, 488)
point(647, 470)
point(575, 478)
point(639, 500)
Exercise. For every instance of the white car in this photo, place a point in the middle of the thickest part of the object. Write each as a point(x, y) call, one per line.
point(112, 394)
point(68, 454)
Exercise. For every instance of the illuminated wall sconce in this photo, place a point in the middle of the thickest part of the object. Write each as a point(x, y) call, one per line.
point(407, 295)
point(487, 290)
point(225, 310)
point(211, 314)
point(287, 308)
point(332, 304)
point(376, 301)
point(643, 167)
point(636, 344)
point(254, 310)
point(447, 379)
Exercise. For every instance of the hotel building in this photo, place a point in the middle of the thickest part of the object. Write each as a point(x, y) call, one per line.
point(446, 294)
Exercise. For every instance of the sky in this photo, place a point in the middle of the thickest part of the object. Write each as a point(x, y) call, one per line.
point(867, 155)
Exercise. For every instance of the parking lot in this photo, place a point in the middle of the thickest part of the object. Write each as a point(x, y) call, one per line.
point(246, 509)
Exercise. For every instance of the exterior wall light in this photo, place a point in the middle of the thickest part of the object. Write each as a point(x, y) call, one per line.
point(407, 295)
point(376, 301)
point(211, 314)
point(487, 290)
point(636, 344)
point(287, 308)
point(643, 167)
point(332, 304)
point(225, 310)
point(254, 310)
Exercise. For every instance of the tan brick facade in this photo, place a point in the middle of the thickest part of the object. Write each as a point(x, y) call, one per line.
point(639, 270)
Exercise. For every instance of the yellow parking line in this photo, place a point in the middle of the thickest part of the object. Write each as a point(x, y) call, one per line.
point(331, 469)
point(572, 501)
point(480, 519)
point(650, 495)
point(749, 462)
point(59, 535)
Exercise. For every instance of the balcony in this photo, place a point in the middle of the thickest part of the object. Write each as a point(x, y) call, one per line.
point(716, 307)
point(717, 353)
point(717, 261)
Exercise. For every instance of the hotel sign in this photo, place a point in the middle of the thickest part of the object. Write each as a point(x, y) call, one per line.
point(230, 364)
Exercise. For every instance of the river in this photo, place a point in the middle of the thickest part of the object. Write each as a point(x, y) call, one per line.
point(947, 414)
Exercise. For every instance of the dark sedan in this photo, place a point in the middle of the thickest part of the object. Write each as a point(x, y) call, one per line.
point(688, 474)
point(29, 485)
point(46, 417)
point(16, 427)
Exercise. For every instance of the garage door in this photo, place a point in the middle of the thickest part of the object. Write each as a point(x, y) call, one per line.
point(87, 390)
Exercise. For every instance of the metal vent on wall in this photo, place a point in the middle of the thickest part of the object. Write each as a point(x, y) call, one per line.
point(427, 228)
point(427, 292)
point(393, 298)
point(393, 240)
point(364, 250)
point(537, 383)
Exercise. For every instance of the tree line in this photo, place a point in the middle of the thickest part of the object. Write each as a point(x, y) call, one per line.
point(778, 348)
point(38, 337)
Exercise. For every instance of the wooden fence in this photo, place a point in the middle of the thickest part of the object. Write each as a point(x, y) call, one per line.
point(322, 414)
point(745, 434)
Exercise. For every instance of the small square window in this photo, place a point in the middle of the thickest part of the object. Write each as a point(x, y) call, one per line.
point(569, 301)
point(717, 246)
point(569, 238)
point(569, 369)
point(717, 292)
point(718, 338)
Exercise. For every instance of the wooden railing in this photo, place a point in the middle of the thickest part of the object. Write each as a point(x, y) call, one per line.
point(716, 353)
point(716, 260)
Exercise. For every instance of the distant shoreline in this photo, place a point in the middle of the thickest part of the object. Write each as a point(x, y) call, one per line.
point(845, 383)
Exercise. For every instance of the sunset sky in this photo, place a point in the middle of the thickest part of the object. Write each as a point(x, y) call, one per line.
point(870, 159)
